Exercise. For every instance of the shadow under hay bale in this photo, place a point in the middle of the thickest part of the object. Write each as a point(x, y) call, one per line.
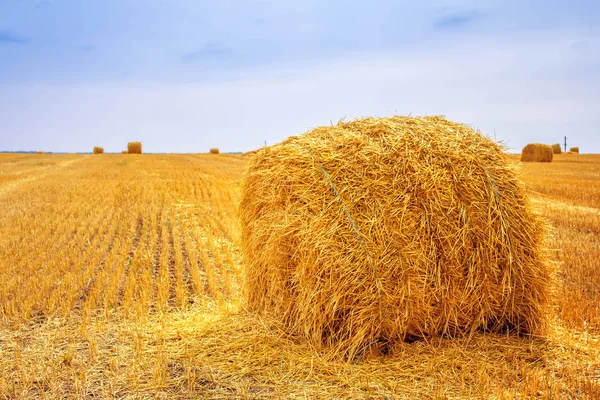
point(537, 152)
point(214, 151)
point(556, 149)
point(134, 148)
point(98, 150)
point(374, 231)
point(574, 150)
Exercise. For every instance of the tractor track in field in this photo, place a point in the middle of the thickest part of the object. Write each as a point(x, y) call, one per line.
point(130, 254)
point(171, 270)
point(156, 262)
point(87, 288)
point(39, 174)
point(187, 276)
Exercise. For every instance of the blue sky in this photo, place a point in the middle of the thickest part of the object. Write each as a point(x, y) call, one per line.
point(187, 75)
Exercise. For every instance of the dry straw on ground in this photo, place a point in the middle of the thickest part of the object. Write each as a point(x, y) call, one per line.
point(537, 152)
point(556, 149)
point(376, 231)
point(98, 150)
point(134, 148)
point(574, 150)
point(214, 151)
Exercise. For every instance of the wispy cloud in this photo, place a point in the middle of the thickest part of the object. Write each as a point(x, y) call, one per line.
point(456, 19)
point(211, 51)
point(9, 37)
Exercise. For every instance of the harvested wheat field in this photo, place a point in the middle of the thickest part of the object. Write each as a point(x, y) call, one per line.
point(122, 277)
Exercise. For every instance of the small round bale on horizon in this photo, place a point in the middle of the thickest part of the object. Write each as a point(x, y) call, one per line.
point(574, 150)
point(98, 150)
point(537, 152)
point(134, 148)
point(371, 232)
point(214, 150)
point(556, 149)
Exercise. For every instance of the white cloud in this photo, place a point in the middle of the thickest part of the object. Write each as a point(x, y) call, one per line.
point(527, 88)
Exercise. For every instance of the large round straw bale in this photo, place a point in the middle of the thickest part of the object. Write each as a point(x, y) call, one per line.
point(574, 150)
point(556, 149)
point(537, 152)
point(381, 230)
point(214, 151)
point(98, 150)
point(134, 148)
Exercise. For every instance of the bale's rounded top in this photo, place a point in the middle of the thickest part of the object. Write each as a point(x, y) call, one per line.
point(383, 229)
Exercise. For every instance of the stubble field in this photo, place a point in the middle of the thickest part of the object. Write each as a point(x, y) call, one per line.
point(121, 277)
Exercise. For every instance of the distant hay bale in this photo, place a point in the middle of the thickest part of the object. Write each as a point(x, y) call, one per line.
point(40, 152)
point(214, 151)
point(556, 149)
point(537, 152)
point(574, 150)
point(376, 231)
point(98, 150)
point(134, 148)
point(124, 152)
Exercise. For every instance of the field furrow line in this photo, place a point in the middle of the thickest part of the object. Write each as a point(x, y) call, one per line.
point(130, 256)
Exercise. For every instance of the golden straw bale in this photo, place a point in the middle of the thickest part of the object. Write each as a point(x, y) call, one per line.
point(537, 152)
point(214, 151)
point(134, 148)
point(40, 152)
point(124, 152)
point(574, 150)
point(556, 149)
point(98, 150)
point(377, 231)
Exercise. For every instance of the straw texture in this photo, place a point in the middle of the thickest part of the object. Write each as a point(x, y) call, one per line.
point(134, 148)
point(574, 150)
point(556, 149)
point(537, 152)
point(371, 232)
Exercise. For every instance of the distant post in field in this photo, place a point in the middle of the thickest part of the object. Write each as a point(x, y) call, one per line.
point(565, 144)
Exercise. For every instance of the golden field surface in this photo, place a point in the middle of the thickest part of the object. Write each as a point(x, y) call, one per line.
point(121, 277)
